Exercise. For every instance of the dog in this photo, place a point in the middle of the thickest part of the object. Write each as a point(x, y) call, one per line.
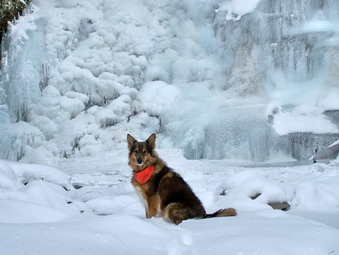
point(163, 191)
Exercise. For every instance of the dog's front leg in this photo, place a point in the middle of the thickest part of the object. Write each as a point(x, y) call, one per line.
point(147, 212)
point(151, 212)
point(153, 206)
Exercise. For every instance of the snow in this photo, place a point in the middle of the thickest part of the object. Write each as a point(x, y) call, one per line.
point(106, 216)
point(22, 26)
point(314, 26)
point(27, 212)
point(34, 194)
point(331, 101)
point(333, 144)
point(285, 123)
point(29, 172)
point(237, 8)
point(158, 97)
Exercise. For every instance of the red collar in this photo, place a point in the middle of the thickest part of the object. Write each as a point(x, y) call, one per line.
point(144, 175)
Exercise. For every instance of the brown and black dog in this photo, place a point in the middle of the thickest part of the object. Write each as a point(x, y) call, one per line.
point(164, 192)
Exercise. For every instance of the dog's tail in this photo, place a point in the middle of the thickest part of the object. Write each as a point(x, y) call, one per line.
point(222, 213)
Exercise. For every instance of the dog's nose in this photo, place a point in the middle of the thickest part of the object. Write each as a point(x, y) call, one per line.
point(139, 160)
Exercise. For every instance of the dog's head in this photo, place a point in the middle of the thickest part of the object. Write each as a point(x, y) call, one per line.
point(141, 154)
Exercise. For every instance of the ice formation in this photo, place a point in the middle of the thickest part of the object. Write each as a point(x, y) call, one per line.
point(231, 79)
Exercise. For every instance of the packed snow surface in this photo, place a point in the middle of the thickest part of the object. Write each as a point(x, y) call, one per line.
point(104, 215)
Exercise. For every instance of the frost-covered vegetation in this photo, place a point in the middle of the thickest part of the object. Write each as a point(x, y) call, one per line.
point(10, 10)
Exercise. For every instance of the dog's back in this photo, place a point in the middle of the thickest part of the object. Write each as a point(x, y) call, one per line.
point(178, 201)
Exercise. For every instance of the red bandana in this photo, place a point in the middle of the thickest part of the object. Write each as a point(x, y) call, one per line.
point(144, 175)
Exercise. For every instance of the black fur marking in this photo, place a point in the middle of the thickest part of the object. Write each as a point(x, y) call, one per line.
point(131, 150)
point(181, 193)
point(156, 179)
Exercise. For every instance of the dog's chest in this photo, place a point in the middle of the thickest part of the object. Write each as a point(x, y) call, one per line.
point(142, 190)
point(149, 197)
point(141, 194)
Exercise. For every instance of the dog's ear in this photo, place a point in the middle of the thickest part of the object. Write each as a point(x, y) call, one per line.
point(151, 141)
point(130, 141)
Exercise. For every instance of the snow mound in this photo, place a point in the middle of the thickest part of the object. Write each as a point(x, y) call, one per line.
point(253, 190)
point(29, 172)
point(34, 193)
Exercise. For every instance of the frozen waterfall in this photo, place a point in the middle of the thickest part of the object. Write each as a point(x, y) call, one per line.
point(284, 53)
point(23, 75)
point(237, 79)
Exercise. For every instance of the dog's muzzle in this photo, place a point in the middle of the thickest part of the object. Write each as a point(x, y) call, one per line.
point(139, 161)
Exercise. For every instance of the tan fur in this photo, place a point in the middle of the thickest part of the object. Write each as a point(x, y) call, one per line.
point(152, 203)
point(165, 194)
point(226, 212)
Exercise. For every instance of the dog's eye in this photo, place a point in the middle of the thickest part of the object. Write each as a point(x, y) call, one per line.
point(144, 152)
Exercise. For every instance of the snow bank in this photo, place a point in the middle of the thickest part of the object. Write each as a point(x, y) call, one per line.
point(253, 190)
point(34, 193)
point(291, 122)
point(247, 184)
point(29, 172)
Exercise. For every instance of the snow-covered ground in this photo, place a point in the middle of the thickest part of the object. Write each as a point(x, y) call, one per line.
point(105, 216)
